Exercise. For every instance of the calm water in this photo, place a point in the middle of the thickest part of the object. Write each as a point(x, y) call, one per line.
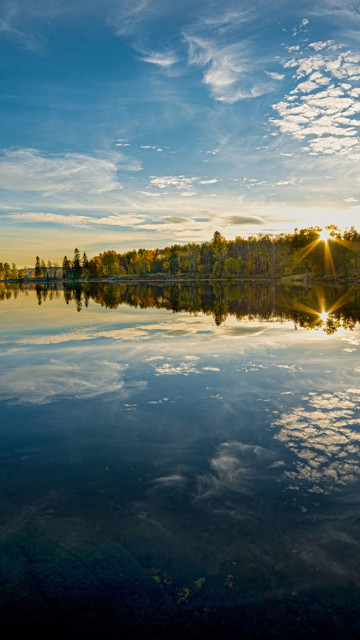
point(180, 462)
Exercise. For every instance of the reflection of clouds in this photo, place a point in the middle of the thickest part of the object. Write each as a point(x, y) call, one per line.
point(179, 369)
point(179, 332)
point(353, 342)
point(174, 479)
point(236, 468)
point(161, 401)
point(184, 327)
point(170, 486)
point(183, 368)
point(242, 331)
point(324, 435)
point(127, 333)
point(44, 383)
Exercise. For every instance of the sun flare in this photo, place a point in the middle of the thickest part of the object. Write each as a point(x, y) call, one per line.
point(324, 235)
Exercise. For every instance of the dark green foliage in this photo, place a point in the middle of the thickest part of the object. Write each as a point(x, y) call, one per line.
point(75, 265)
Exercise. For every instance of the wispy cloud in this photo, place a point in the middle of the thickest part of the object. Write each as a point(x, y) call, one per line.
point(163, 60)
point(229, 71)
point(209, 181)
point(275, 76)
point(29, 170)
point(229, 18)
point(302, 24)
point(127, 17)
point(116, 220)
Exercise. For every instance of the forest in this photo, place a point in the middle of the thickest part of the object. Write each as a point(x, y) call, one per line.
point(310, 253)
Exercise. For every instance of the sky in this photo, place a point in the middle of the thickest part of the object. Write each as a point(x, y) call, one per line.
point(144, 123)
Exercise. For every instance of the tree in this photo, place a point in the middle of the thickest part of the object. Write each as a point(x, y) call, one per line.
point(85, 261)
point(75, 265)
point(217, 269)
point(14, 274)
point(142, 266)
point(219, 247)
point(110, 264)
point(37, 272)
point(231, 266)
point(66, 268)
point(174, 259)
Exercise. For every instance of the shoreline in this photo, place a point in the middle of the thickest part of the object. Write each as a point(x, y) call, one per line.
point(151, 279)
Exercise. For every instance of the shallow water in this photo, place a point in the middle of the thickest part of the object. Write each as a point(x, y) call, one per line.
point(191, 473)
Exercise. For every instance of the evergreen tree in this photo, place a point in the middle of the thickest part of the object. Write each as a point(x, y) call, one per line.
point(66, 267)
point(37, 272)
point(76, 266)
point(85, 261)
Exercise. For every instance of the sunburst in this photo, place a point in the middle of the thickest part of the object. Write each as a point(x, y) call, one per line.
point(324, 235)
point(324, 315)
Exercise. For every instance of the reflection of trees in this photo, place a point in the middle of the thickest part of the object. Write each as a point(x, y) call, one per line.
point(324, 307)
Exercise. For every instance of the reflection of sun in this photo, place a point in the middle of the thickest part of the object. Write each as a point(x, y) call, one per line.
point(324, 316)
point(324, 235)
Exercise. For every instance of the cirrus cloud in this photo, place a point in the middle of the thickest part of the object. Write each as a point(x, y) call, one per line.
point(30, 170)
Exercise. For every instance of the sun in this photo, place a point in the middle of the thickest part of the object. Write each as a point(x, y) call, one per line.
point(324, 235)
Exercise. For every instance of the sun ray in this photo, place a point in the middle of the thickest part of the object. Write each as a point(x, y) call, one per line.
point(353, 246)
point(313, 312)
point(304, 252)
point(328, 259)
point(320, 297)
point(323, 316)
point(346, 297)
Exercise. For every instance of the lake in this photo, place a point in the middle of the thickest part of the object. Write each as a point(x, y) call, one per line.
point(180, 461)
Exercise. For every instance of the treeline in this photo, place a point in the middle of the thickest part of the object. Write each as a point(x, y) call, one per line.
point(303, 253)
point(304, 305)
point(310, 252)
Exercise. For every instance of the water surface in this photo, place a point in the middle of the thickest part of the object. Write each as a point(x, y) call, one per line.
point(180, 461)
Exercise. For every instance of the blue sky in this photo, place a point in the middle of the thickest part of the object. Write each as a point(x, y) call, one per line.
point(145, 123)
